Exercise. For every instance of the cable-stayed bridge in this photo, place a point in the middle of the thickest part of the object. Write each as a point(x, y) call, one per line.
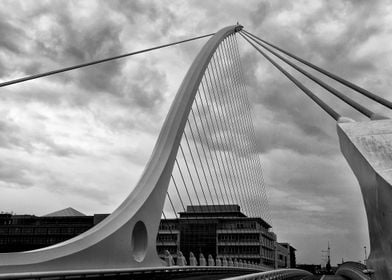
point(206, 157)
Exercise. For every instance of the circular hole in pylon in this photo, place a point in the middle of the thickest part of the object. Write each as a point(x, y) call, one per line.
point(139, 241)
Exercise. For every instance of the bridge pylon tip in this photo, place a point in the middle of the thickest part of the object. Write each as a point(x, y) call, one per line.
point(238, 27)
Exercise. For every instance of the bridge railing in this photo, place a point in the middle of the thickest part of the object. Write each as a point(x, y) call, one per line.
point(210, 261)
point(281, 274)
point(354, 271)
point(148, 272)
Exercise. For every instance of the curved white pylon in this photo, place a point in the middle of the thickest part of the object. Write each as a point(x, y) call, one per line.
point(127, 237)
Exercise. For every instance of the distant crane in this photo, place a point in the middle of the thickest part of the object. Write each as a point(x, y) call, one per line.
point(328, 264)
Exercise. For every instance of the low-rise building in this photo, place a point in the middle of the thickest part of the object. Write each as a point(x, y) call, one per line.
point(29, 232)
point(282, 256)
point(222, 231)
point(168, 237)
point(291, 255)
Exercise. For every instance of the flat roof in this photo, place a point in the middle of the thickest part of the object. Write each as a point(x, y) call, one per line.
point(213, 208)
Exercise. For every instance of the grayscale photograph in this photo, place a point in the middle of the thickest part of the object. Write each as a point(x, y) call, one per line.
point(241, 140)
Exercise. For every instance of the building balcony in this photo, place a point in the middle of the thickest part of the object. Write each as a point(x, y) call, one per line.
point(238, 243)
point(167, 231)
point(240, 256)
point(269, 235)
point(166, 243)
point(238, 230)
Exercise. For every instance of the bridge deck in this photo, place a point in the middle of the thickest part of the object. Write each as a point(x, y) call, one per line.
point(324, 277)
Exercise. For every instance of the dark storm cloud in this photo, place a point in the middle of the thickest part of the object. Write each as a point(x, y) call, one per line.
point(13, 136)
point(332, 51)
point(138, 96)
point(260, 13)
point(9, 134)
point(141, 13)
point(329, 35)
point(14, 175)
point(310, 184)
point(67, 40)
point(282, 106)
point(134, 9)
point(59, 150)
point(10, 36)
point(145, 89)
point(83, 40)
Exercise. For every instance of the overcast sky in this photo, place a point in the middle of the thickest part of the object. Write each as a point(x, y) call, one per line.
point(82, 138)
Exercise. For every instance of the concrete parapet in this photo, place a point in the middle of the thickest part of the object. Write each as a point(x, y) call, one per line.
point(168, 258)
point(202, 260)
point(181, 261)
point(192, 259)
point(211, 261)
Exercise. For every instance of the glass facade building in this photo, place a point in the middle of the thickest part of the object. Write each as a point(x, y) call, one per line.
point(222, 231)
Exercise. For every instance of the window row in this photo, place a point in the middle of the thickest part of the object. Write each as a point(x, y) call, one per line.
point(41, 230)
point(239, 225)
point(238, 249)
point(165, 226)
point(167, 237)
point(31, 240)
point(239, 237)
point(267, 253)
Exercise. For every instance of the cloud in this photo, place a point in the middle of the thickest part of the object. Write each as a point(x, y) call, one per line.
point(10, 35)
point(144, 87)
point(12, 175)
point(93, 129)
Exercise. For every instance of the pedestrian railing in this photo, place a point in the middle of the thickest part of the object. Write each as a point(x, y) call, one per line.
point(354, 271)
point(210, 261)
point(279, 274)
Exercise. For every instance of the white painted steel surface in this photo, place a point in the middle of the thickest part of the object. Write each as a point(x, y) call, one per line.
point(352, 271)
point(74, 274)
point(367, 146)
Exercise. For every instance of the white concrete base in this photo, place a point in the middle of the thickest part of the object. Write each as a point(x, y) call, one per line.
point(367, 146)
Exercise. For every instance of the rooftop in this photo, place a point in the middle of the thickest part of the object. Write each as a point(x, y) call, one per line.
point(213, 208)
point(67, 212)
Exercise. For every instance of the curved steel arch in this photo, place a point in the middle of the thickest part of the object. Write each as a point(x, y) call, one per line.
point(127, 237)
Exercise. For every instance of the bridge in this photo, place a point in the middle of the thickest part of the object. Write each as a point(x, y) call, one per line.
point(205, 157)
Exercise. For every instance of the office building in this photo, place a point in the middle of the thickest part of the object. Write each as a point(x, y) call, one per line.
point(291, 255)
point(29, 232)
point(222, 231)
